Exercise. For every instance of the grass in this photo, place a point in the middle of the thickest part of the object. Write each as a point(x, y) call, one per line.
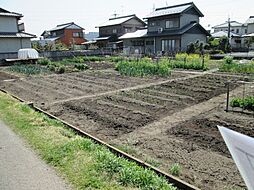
point(84, 163)
point(247, 68)
point(175, 169)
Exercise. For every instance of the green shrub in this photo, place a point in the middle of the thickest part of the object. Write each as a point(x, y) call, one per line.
point(228, 60)
point(43, 61)
point(236, 102)
point(78, 60)
point(52, 68)
point(175, 169)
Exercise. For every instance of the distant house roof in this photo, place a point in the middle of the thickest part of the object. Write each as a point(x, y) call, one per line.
point(102, 38)
point(250, 20)
point(137, 34)
point(225, 24)
point(16, 35)
point(223, 33)
point(4, 12)
point(172, 10)
point(119, 20)
point(70, 25)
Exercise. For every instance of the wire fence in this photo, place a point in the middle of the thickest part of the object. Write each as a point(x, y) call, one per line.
point(242, 98)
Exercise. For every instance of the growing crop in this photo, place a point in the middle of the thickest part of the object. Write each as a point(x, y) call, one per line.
point(28, 69)
point(247, 68)
point(81, 67)
point(228, 59)
point(245, 103)
point(189, 61)
point(143, 68)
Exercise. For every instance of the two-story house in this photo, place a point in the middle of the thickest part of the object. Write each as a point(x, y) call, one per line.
point(12, 35)
point(170, 29)
point(68, 34)
point(111, 30)
point(250, 25)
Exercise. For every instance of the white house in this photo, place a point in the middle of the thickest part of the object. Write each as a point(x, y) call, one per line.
point(12, 35)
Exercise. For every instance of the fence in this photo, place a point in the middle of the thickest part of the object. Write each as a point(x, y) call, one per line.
point(242, 98)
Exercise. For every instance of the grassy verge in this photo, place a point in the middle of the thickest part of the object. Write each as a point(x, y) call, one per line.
point(84, 163)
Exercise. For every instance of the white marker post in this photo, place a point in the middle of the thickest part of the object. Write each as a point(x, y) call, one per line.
point(241, 148)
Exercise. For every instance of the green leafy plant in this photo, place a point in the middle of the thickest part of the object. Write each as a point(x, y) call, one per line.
point(245, 103)
point(43, 61)
point(28, 69)
point(228, 60)
point(81, 67)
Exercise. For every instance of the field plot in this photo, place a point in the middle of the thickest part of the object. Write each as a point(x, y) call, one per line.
point(44, 90)
point(111, 116)
point(171, 120)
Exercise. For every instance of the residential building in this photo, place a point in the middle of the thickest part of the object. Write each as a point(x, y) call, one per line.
point(110, 31)
point(235, 27)
point(250, 25)
point(69, 34)
point(12, 35)
point(170, 29)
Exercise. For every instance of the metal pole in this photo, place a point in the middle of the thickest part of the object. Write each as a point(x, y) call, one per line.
point(227, 96)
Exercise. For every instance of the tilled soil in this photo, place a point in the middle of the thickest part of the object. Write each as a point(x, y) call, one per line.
point(172, 121)
point(6, 76)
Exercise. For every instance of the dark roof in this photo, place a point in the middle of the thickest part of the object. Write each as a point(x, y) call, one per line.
point(178, 31)
point(62, 26)
point(4, 12)
point(16, 35)
point(172, 10)
point(120, 20)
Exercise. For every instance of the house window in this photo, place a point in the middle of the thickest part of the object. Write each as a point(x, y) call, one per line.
point(137, 43)
point(170, 45)
point(54, 34)
point(246, 31)
point(77, 35)
point(114, 31)
point(237, 31)
point(172, 23)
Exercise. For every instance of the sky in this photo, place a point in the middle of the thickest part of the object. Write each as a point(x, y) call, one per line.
point(46, 14)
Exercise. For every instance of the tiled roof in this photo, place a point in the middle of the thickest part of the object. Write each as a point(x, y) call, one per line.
point(4, 12)
point(117, 21)
point(16, 35)
point(176, 9)
point(62, 26)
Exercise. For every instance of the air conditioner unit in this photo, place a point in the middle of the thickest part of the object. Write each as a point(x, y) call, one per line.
point(160, 30)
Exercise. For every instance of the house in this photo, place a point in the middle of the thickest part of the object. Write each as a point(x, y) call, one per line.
point(170, 29)
point(12, 35)
point(236, 40)
point(235, 27)
point(69, 34)
point(111, 30)
point(250, 25)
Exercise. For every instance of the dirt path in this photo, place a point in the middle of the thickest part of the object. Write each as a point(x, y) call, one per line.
point(21, 169)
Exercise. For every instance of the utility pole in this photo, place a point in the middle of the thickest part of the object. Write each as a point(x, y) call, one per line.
point(229, 31)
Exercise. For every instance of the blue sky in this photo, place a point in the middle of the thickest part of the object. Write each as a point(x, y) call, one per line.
point(46, 14)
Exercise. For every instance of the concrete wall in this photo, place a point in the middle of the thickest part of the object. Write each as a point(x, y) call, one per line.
point(187, 38)
point(8, 24)
point(13, 44)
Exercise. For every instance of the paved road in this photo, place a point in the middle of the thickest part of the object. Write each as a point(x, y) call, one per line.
point(21, 169)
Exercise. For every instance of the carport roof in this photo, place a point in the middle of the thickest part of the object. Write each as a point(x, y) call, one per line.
point(16, 35)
